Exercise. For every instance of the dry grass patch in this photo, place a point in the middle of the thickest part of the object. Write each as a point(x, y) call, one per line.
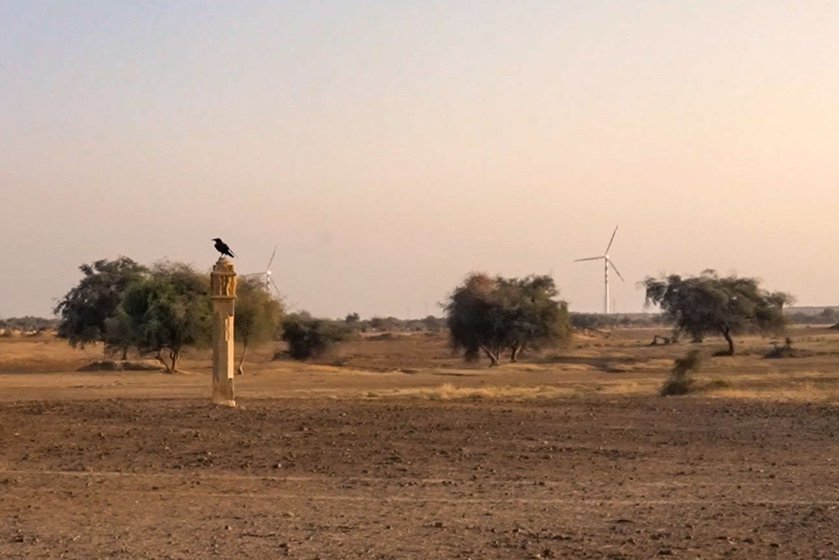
point(422, 367)
point(450, 392)
point(799, 387)
point(635, 387)
point(44, 353)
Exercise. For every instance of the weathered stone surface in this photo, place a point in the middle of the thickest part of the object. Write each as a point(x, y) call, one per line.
point(223, 294)
point(223, 279)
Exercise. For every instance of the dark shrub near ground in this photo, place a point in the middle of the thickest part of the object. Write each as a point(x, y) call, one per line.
point(681, 379)
point(310, 338)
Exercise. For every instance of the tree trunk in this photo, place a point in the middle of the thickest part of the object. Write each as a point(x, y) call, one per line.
point(240, 369)
point(159, 357)
point(124, 353)
point(174, 355)
point(492, 355)
point(514, 352)
point(726, 332)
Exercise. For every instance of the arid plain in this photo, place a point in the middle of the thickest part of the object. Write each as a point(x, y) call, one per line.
point(393, 448)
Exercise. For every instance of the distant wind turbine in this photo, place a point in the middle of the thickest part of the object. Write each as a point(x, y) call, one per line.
point(266, 276)
point(607, 262)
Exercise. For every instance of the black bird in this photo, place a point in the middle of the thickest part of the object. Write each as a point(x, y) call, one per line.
point(222, 247)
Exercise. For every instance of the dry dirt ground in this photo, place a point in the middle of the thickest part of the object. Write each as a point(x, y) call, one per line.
point(402, 452)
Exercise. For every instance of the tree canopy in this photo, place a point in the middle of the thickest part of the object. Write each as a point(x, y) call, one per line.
point(166, 312)
point(710, 304)
point(491, 315)
point(258, 315)
point(85, 309)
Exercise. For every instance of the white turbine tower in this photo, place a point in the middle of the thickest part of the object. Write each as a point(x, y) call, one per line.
point(607, 262)
point(266, 276)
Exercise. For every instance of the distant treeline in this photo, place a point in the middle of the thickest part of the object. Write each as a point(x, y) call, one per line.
point(812, 315)
point(435, 324)
point(28, 324)
point(615, 320)
point(394, 324)
point(795, 315)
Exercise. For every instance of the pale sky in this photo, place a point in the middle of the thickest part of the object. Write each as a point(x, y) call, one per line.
point(388, 148)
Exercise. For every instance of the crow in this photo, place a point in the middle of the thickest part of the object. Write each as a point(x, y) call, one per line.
point(222, 247)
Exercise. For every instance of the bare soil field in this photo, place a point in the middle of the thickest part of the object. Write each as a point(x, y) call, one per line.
point(391, 448)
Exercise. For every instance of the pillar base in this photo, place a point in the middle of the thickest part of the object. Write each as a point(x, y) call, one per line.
point(223, 388)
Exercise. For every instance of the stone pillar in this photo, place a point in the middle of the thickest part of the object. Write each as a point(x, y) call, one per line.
point(223, 294)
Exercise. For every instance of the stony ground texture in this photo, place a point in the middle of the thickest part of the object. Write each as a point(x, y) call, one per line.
point(394, 478)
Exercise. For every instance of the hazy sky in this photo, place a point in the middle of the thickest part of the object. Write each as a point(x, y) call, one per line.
point(388, 148)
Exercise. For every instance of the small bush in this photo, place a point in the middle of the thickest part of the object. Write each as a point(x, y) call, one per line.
point(665, 340)
point(781, 351)
point(681, 379)
point(123, 365)
point(676, 386)
point(716, 383)
point(383, 336)
point(311, 338)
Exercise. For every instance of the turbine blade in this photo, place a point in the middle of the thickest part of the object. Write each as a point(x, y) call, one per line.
point(610, 241)
point(268, 267)
point(615, 269)
point(590, 259)
point(276, 289)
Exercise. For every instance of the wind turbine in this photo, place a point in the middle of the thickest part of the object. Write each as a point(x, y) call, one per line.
point(266, 275)
point(607, 262)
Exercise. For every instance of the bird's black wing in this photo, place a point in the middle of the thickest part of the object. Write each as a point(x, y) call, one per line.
point(222, 248)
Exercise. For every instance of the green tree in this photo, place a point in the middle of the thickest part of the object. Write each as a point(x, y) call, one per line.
point(167, 312)
point(120, 332)
point(710, 304)
point(492, 315)
point(535, 317)
point(258, 316)
point(84, 310)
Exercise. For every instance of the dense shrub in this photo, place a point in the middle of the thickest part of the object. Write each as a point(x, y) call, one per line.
point(310, 338)
point(681, 379)
point(784, 350)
